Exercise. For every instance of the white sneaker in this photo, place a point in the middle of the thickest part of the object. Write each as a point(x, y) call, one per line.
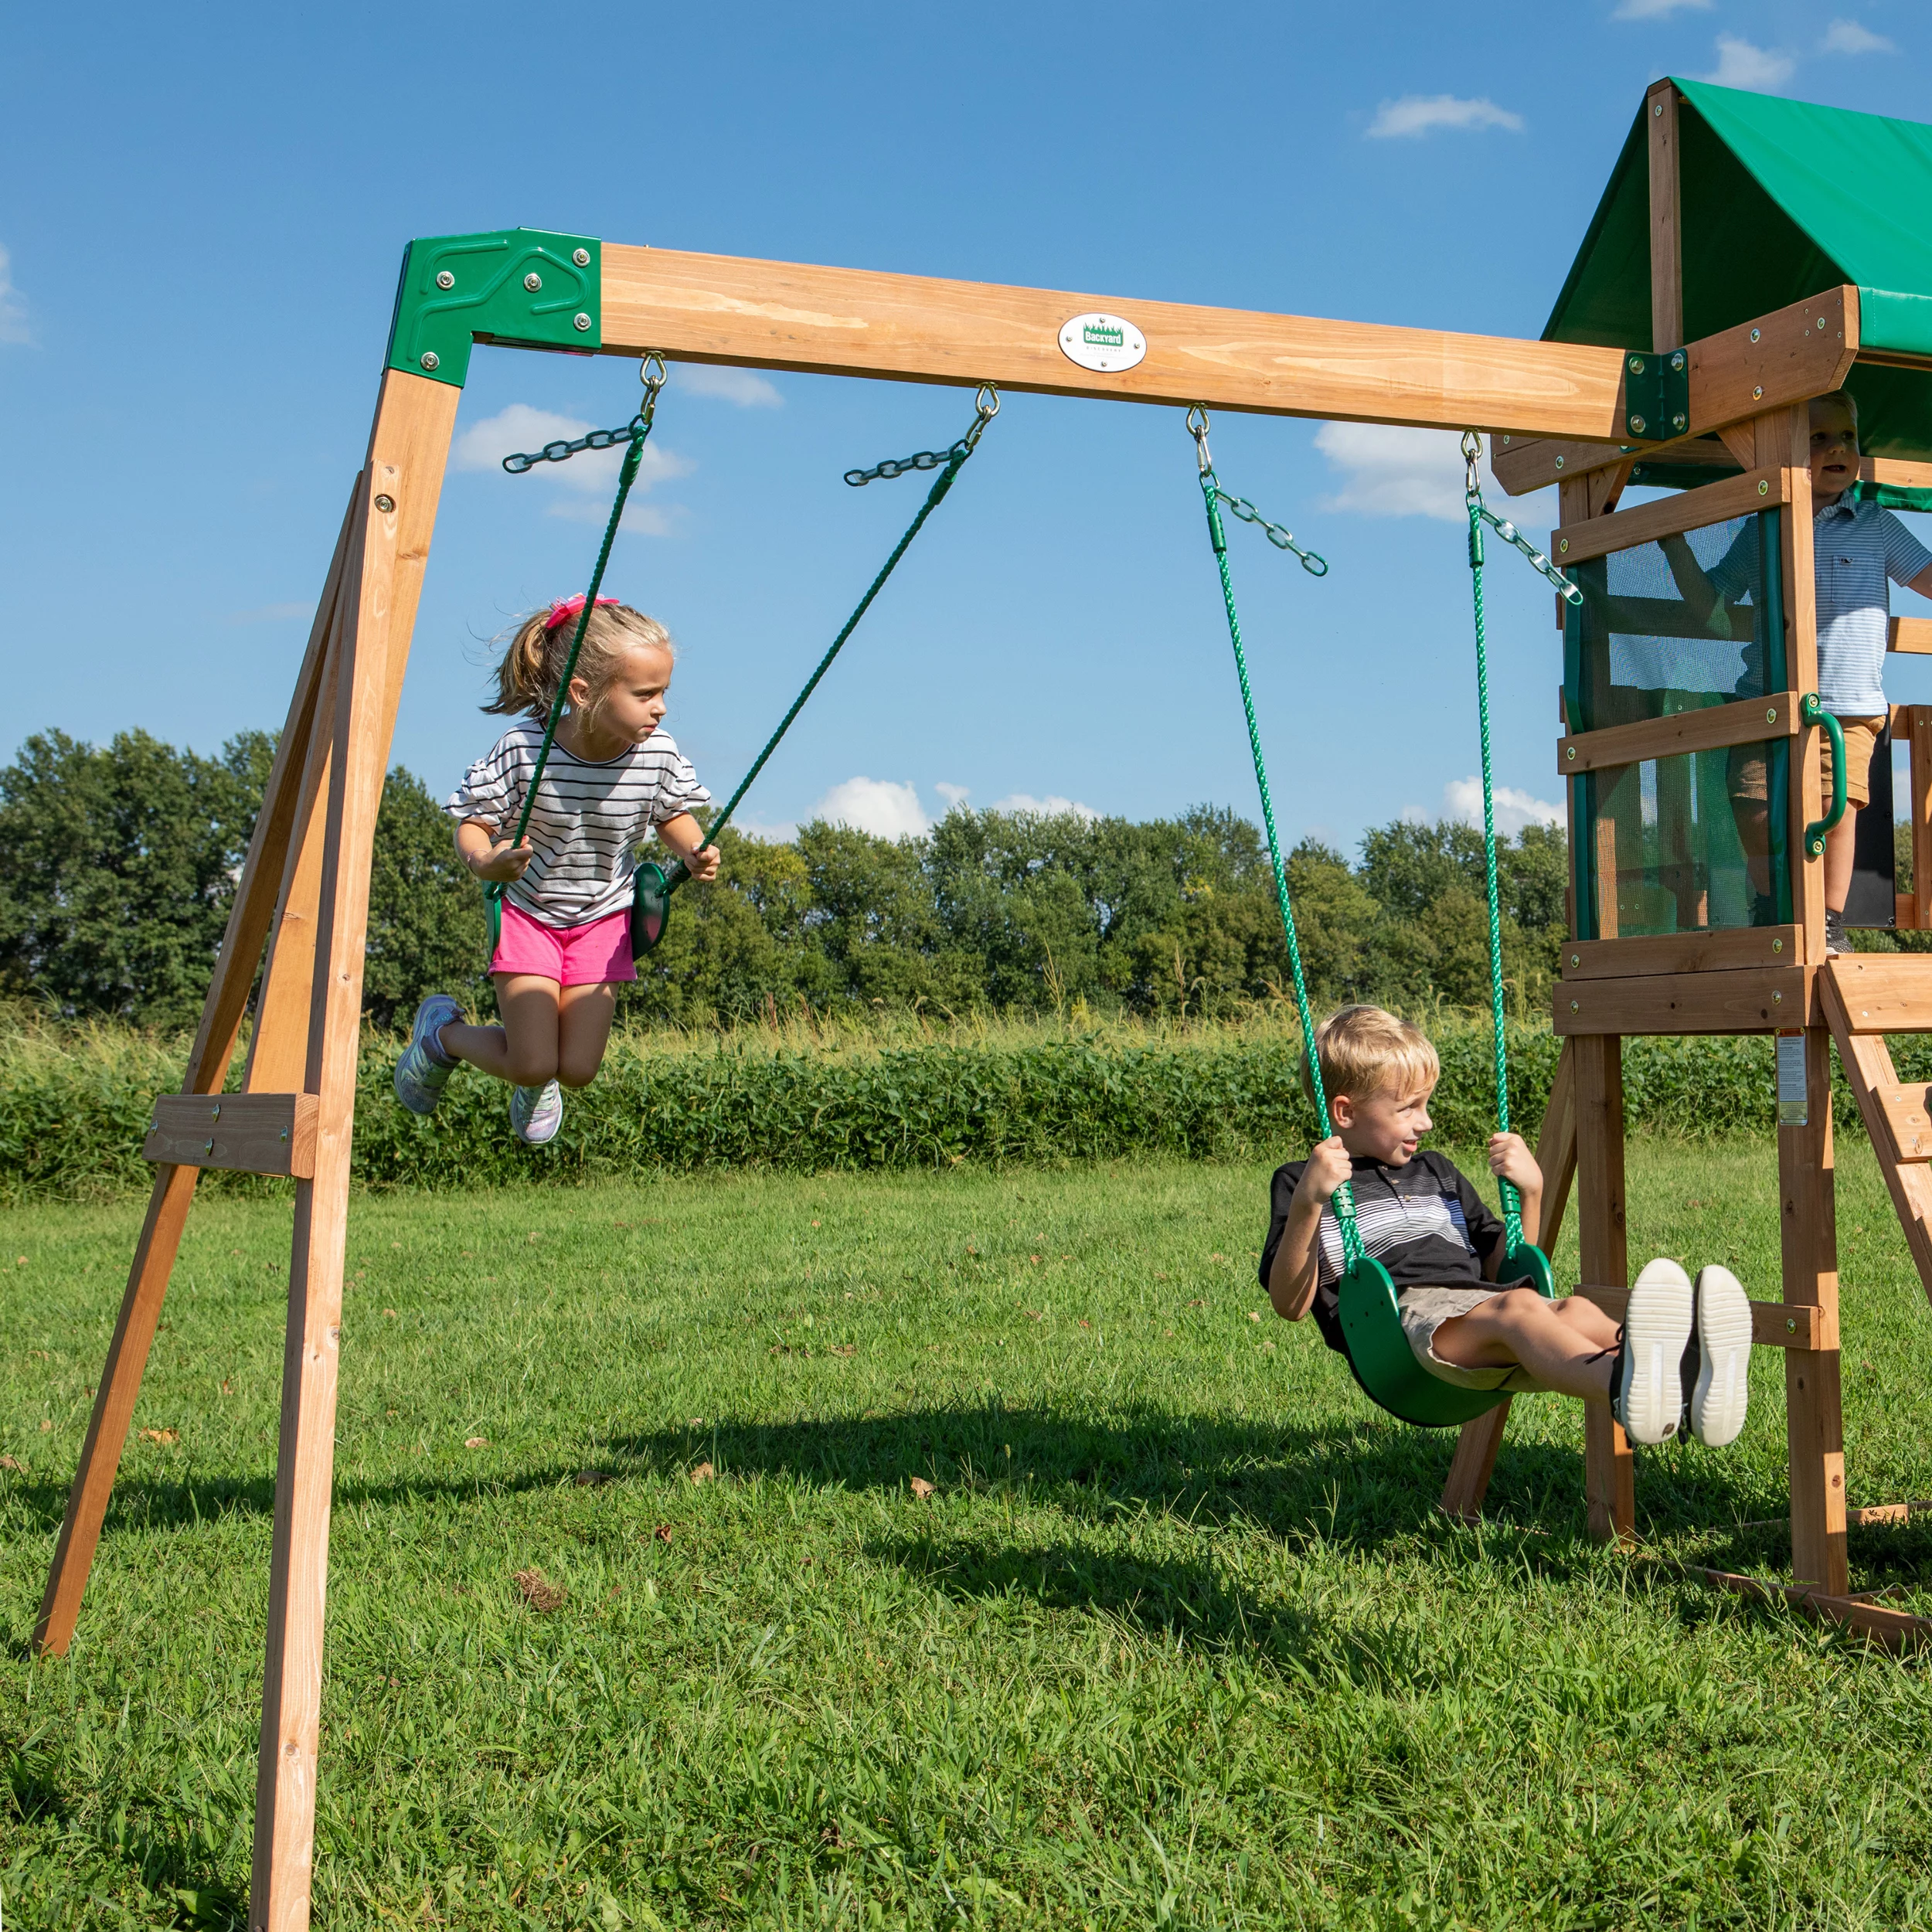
point(536, 1113)
point(1718, 1397)
point(1648, 1395)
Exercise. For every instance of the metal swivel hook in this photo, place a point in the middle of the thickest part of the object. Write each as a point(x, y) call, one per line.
point(1471, 457)
point(1197, 427)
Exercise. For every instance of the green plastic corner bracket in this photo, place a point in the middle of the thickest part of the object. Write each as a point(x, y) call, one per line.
point(522, 286)
point(1656, 394)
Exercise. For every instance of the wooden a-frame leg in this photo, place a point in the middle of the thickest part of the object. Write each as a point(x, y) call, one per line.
point(278, 1051)
point(174, 1188)
point(1814, 1412)
point(1609, 1472)
point(394, 520)
point(1481, 1439)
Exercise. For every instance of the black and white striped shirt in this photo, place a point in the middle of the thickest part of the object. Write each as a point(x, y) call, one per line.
point(588, 821)
point(1424, 1222)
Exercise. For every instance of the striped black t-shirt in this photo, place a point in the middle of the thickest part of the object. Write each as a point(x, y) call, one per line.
point(1425, 1223)
point(588, 821)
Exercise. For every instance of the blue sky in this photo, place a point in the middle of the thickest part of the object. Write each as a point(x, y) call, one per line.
point(205, 211)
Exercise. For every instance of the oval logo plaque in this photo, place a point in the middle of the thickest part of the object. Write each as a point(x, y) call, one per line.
point(1105, 344)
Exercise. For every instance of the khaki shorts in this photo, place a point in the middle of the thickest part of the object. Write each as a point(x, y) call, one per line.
point(1746, 771)
point(1425, 1310)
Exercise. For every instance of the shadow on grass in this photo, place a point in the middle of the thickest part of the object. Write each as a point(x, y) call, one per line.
point(1360, 1482)
point(1173, 1599)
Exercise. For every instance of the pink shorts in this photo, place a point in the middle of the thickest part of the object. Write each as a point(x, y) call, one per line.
point(592, 955)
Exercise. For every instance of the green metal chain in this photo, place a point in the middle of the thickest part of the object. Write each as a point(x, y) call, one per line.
point(986, 407)
point(1214, 496)
point(1315, 565)
point(651, 373)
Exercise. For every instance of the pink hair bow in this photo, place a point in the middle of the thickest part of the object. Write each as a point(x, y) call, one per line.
point(563, 612)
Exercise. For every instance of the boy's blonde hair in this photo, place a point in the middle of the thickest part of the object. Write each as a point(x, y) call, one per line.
point(527, 679)
point(1365, 1049)
point(1845, 399)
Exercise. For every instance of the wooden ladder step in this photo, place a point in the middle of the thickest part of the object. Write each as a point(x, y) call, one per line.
point(1908, 1111)
point(247, 1132)
point(1854, 997)
point(1883, 992)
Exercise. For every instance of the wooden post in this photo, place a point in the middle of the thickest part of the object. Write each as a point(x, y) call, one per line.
point(1609, 1474)
point(1785, 443)
point(1814, 1418)
point(392, 523)
point(1813, 1412)
point(1666, 252)
point(1921, 793)
point(278, 1051)
point(174, 1187)
point(1477, 1447)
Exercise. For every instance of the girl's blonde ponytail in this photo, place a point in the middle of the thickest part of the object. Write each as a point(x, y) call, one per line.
point(526, 679)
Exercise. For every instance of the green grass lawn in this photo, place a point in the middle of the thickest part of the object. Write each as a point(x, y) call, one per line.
point(1177, 1636)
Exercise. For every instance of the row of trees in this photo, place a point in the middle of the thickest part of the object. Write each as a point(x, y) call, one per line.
point(118, 863)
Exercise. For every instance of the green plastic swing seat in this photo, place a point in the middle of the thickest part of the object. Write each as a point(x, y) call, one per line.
point(1385, 1365)
point(650, 907)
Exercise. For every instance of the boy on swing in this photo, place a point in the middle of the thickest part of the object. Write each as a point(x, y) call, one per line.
point(1679, 1362)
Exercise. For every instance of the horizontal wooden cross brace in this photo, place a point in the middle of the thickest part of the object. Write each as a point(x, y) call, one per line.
point(1764, 999)
point(1749, 721)
point(1671, 516)
point(246, 1133)
point(849, 322)
point(1774, 1324)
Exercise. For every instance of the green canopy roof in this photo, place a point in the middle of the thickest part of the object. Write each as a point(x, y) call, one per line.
point(1777, 200)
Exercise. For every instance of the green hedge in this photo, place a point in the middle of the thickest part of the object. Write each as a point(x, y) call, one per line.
point(72, 1117)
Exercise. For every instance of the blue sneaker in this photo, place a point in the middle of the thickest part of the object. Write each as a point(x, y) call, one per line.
point(424, 1068)
point(536, 1113)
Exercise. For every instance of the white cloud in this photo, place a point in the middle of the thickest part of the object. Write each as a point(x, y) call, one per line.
point(13, 310)
point(769, 832)
point(1388, 471)
point(954, 795)
point(1462, 798)
point(1742, 64)
point(1846, 36)
point(269, 613)
point(1658, 9)
point(740, 386)
point(645, 518)
point(875, 805)
point(1052, 806)
point(1420, 114)
point(583, 484)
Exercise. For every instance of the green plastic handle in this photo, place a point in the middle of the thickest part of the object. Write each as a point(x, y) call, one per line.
point(1815, 713)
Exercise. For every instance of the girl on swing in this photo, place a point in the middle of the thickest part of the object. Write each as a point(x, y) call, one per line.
point(564, 948)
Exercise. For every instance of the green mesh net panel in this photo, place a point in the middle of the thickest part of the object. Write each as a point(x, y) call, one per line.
point(1694, 842)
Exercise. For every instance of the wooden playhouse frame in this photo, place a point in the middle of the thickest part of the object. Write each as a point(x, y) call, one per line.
point(1555, 410)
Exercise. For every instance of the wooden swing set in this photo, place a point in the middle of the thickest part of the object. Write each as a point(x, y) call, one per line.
point(1614, 395)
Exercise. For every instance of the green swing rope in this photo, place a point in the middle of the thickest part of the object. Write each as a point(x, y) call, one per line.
point(651, 373)
point(1214, 496)
point(1478, 514)
point(986, 407)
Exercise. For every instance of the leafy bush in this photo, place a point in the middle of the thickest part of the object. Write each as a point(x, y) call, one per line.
point(73, 1102)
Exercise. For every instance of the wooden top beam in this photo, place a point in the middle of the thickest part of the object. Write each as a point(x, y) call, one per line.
point(845, 322)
